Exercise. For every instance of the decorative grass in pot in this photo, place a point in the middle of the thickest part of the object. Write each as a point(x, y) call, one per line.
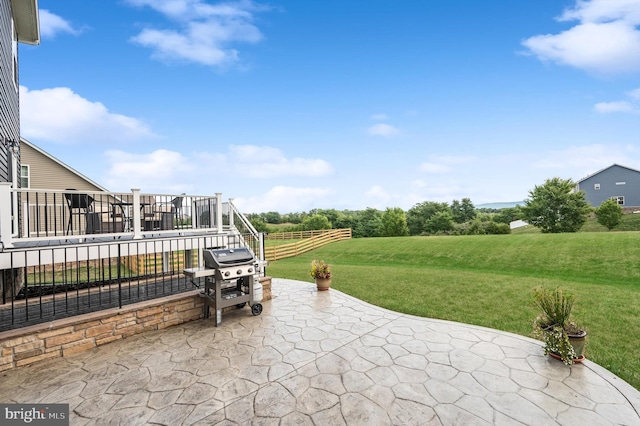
point(321, 273)
point(563, 338)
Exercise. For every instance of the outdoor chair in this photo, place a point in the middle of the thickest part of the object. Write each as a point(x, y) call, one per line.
point(79, 205)
point(177, 208)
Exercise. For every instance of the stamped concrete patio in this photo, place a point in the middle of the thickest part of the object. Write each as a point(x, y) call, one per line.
point(324, 359)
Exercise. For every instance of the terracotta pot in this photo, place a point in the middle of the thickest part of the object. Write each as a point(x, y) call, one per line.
point(559, 358)
point(323, 283)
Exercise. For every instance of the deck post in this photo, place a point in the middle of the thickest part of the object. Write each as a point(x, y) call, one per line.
point(137, 231)
point(6, 216)
point(219, 212)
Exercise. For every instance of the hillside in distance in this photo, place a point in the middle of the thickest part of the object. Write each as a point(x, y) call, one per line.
point(498, 206)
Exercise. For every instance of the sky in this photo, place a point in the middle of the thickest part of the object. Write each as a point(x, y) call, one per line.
point(293, 105)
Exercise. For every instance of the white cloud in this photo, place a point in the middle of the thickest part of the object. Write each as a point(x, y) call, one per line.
point(379, 117)
point(382, 129)
point(606, 39)
point(52, 24)
point(381, 198)
point(617, 106)
point(203, 32)
point(160, 171)
point(163, 170)
point(435, 168)
point(377, 197)
point(603, 11)
point(286, 199)
point(578, 161)
point(267, 162)
point(440, 164)
point(632, 107)
point(62, 116)
point(634, 94)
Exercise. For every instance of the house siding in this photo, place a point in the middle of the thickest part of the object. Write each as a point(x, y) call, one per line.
point(9, 104)
point(48, 174)
point(610, 180)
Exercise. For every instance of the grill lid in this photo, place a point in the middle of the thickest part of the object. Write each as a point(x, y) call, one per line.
point(216, 259)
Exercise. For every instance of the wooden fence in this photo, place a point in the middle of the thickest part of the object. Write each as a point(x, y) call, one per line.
point(298, 235)
point(311, 240)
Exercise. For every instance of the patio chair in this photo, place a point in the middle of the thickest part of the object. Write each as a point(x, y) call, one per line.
point(79, 205)
point(162, 215)
point(177, 208)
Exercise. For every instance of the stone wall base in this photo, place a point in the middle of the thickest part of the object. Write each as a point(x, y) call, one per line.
point(70, 335)
point(266, 288)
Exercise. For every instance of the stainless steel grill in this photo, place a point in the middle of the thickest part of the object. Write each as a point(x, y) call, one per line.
point(229, 279)
point(230, 263)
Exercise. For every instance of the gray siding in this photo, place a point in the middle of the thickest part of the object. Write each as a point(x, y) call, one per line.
point(614, 181)
point(9, 112)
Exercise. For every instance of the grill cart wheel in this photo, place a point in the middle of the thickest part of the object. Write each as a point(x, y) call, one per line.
point(241, 305)
point(256, 309)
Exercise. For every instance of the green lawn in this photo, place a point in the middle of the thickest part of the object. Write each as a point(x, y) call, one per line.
point(487, 280)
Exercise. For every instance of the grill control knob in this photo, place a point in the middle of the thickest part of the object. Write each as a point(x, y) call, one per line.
point(239, 272)
point(249, 270)
point(227, 273)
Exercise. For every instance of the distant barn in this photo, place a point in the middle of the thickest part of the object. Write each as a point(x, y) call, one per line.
point(614, 182)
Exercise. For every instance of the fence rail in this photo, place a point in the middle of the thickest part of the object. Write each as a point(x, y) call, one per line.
point(295, 235)
point(315, 240)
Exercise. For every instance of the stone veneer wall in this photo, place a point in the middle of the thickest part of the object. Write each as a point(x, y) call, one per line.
point(70, 335)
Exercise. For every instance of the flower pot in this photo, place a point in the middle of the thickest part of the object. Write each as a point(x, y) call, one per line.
point(559, 358)
point(323, 283)
point(578, 340)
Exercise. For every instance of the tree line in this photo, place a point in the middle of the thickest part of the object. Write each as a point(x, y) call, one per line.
point(553, 207)
point(426, 218)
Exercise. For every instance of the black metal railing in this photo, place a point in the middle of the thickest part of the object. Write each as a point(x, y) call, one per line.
point(44, 284)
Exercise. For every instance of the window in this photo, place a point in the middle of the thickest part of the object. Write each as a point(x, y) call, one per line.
point(24, 176)
point(596, 187)
point(619, 199)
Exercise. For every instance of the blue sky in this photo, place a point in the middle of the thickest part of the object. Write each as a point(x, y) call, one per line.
point(292, 105)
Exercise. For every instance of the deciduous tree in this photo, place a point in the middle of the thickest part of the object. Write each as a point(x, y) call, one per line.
point(394, 223)
point(463, 211)
point(609, 214)
point(556, 207)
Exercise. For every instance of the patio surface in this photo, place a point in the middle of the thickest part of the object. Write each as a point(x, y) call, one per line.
point(324, 358)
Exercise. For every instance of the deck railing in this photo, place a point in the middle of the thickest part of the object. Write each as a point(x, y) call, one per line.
point(48, 283)
point(67, 252)
point(37, 215)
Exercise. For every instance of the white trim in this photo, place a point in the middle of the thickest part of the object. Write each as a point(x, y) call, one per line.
point(28, 176)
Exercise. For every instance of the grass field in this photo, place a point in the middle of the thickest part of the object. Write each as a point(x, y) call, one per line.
point(487, 280)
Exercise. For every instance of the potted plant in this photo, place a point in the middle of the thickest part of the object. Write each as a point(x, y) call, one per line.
point(563, 338)
point(321, 273)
